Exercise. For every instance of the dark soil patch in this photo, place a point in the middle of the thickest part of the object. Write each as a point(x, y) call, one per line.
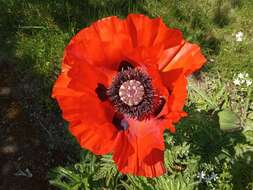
point(24, 156)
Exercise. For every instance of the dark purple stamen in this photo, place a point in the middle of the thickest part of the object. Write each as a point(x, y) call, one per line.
point(125, 65)
point(101, 92)
point(160, 105)
point(119, 122)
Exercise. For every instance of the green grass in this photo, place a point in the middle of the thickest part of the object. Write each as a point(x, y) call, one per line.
point(37, 31)
point(33, 35)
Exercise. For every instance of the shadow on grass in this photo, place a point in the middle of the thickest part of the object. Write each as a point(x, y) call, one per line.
point(242, 171)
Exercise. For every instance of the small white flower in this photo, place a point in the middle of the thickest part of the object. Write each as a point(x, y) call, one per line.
point(241, 75)
point(248, 82)
point(239, 36)
point(201, 175)
point(237, 81)
point(246, 75)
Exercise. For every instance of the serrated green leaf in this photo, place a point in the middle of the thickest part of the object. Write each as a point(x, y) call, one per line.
point(229, 121)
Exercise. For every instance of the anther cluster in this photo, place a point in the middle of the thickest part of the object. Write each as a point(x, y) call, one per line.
point(131, 92)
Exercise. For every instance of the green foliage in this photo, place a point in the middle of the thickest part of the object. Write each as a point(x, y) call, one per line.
point(107, 171)
point(169, 183)
point(73, 180)
point(231, 99)
point(79, 176)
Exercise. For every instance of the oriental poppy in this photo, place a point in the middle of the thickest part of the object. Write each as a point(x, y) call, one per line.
point(123, 82)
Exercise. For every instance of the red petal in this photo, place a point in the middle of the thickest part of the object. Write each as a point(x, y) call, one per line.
point(139, 150)
point(68, 99)
point(98, 138)
point(113, 34)
point(93, 111)
point(84, 77)
point(103, 42)
point(146, 32)
point(143, 30)
point(87, 46)
point(167, 55)
point(189, 59)
point(90, 119)
point(177, 85)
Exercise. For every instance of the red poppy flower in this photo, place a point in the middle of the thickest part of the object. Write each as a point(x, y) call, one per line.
point(123, 82)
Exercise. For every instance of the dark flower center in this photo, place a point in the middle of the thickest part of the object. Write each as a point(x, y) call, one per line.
point(132, 94)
